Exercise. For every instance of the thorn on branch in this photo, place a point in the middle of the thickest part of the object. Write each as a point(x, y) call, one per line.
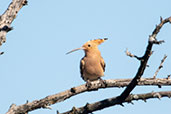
point(74, 111)
point(121, 104)
point(161, 19)
point(131, 102)
point(12, 106)
point(86, 106)
point(132, 96)
point(145, 100)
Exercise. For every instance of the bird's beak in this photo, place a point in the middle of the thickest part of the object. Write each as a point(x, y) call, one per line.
point(81, 48)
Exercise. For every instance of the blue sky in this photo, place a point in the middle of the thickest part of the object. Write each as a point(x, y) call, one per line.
point(34, 64)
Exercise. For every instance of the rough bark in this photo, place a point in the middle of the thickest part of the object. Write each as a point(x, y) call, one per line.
point(52, 99)
point(89, 108)
point(7, 18)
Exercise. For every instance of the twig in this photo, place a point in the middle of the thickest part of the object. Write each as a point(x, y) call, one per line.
point(52, 99)
point(132, 55)
point(89, 108)
point(160, 66)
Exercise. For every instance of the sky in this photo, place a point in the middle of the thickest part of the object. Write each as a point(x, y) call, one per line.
point(35, 65)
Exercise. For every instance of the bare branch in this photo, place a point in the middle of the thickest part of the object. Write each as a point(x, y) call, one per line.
point(89, 108)
point(160, 66)
point(134, 82)
point(8, 16)
point(52, 99)
point(158, 27)
point(132, 55)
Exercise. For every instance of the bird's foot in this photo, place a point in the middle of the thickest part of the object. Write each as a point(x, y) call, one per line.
point(102, 82)
point(88, 84)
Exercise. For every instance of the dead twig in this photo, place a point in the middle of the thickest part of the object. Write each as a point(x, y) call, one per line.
point(132, 55)
point(160, 66)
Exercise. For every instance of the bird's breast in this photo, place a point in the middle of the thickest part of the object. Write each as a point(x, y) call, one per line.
point(93, 67)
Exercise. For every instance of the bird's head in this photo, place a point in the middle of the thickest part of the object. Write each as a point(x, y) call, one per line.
point(90, 45)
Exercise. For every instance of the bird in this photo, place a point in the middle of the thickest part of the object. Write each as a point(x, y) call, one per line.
point(92, 65)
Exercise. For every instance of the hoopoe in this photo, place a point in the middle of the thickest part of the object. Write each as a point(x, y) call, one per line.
point(92, 65)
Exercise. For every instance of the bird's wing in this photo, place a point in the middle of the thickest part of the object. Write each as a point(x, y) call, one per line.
point(102, 64)
point(82, 63)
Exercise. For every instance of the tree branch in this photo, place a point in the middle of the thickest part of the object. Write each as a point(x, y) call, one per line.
point(132, 55)
point(89, 108)
point(52, 99)
point(7, 18)
point(144, 60)
point(160, 66)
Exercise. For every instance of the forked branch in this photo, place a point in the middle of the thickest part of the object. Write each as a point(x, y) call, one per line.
point(89, 108)
point(52, 99)
point(145, 58)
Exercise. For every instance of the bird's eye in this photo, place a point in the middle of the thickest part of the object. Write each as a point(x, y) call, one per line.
point(89, 45)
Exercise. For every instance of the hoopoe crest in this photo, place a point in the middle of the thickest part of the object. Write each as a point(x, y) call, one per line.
point(92, 65)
